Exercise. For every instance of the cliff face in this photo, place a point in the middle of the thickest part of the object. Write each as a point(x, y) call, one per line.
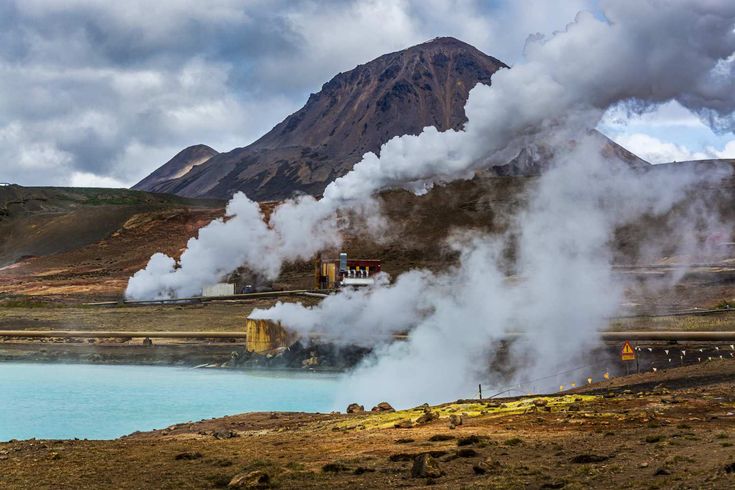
point(355, 112)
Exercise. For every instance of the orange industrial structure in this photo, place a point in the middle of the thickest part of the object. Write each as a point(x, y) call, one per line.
point(336, 273)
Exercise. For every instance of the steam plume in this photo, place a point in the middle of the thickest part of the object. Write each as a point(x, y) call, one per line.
point(639, 55)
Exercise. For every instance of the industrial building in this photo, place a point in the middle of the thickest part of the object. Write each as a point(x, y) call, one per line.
point(342, 272)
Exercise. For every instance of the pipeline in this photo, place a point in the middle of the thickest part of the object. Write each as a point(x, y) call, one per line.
point(640, 335)
point(90, 334)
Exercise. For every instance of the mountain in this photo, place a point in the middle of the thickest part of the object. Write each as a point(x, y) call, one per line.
point(179, 165)
point(355, 112)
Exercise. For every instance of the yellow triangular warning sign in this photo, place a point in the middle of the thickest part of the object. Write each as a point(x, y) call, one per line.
point(627, 353)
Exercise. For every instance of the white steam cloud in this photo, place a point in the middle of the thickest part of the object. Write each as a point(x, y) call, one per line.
point(641, 53)
point(562, 293)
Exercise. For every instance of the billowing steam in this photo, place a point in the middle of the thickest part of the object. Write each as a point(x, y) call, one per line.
point(639, 55)
point(642, 53)
point(562, 293)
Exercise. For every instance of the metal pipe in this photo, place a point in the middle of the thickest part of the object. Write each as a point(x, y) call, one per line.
point(89, 334)
point(640, 335)
point(669, 336)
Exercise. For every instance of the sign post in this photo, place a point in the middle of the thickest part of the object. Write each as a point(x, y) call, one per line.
point(627, 354)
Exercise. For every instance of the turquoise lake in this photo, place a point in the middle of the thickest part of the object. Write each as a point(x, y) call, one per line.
point(63, 401)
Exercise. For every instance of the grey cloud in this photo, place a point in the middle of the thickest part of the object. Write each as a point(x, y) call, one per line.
point(105, 87)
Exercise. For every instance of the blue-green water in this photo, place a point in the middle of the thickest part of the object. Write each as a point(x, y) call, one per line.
point(55, 401)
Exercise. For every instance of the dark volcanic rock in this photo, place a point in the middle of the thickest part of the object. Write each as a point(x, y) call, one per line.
point(424, 466)
point(178, 166)
point(383, 407)
point(354, 113)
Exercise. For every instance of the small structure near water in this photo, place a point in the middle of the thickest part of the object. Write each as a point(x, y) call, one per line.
point(265, 336)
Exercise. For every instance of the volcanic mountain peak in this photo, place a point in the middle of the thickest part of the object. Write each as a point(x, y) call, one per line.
point(355, 112)
point(178, 166)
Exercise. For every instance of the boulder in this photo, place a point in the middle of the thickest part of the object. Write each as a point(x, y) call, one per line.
point(427, 417)
point(383, 407)
point(253, 479)
point(355, 408)
point(424, 466)
point(455, 420)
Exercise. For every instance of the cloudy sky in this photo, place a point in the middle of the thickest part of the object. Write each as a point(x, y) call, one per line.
point(102, 93)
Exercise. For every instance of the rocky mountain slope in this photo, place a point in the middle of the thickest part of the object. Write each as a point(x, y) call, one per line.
point(178, 166)
point(355, 112)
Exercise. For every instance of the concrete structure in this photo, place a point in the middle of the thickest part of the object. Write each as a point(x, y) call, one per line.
point(219, 289)
point(264, 336)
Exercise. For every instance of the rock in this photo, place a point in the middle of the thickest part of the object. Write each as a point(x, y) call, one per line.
point(361, 470)
point(441, 437)
point(224, 434)
point(661, 472)
point(467, 452)
point(540, 402)
point(730, 468)
point(455, 420)
point(589, 458)
point(403, 424)
point(310, 362)
point(427, 417)
point(253, 479)
point(424, 466)
point(489, 465)
point(188, 456)
point(355, 408)
point(383, 407)
point(469, 440)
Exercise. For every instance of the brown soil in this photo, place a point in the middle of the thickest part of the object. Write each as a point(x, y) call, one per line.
point(654, 430)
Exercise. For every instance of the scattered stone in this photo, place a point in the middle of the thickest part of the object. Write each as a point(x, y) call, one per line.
point(540, 402)
point(55, 456)
point(383, 407)
point(253, 479)
point(467, 452)
point(643, 465)
point(355, 408)
point(469, 440)
point(404, 424)
point(441, 437)
point(424, 466)
point(661, 472)
point(405, 441)
point(730, 468)
point(188, 456)
point(455, 420)
point(225, 434)
point(361, 470)
point(589, 458)
point(427, 417)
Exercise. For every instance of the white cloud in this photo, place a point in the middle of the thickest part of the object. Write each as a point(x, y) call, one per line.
point(658, 151)
point(84, 179)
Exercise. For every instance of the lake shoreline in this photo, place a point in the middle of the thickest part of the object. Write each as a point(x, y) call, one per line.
point(209, 355)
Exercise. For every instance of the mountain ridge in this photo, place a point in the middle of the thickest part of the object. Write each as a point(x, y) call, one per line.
point(355, 112)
